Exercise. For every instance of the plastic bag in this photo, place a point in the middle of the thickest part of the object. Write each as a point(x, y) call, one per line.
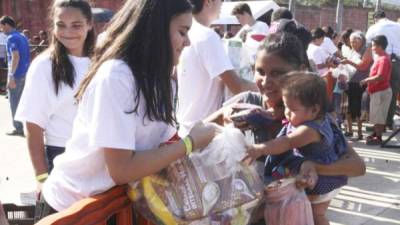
point(287, 205)
point(242, 60)
point(210, 185)
point(342, 75)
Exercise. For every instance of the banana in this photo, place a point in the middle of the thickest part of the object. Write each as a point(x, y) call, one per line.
point(155, 203)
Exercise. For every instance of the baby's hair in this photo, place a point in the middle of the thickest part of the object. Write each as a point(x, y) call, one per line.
point(308, 88)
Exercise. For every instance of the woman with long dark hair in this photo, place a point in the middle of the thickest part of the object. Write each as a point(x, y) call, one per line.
point(47, 105)
point(125, 106)
point(280, 54)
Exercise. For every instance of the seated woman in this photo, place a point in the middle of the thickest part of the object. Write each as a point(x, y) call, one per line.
point(280, 54)
point(125, 106)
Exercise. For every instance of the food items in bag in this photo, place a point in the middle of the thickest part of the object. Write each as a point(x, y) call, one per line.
point(211, 185)
point(235, 216)
point(285, 204)
point(210, 196)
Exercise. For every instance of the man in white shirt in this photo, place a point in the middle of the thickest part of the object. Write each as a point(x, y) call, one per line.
point(328, 44)
point(252, 32)
point(204, 69)
point(391, 30)
point(316, 54)
point(250, 26)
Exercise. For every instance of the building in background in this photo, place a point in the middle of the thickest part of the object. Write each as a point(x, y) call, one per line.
point(32, 14)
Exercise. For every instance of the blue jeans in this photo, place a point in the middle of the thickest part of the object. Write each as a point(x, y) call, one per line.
point(14, 95)
point(51, 153)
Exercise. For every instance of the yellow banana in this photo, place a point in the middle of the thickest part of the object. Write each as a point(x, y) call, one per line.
point(155, 203)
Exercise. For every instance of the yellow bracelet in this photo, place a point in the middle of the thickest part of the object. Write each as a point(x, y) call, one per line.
point(42, 177)
point(188, 144)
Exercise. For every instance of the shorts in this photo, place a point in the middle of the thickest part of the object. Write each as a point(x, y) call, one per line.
point(379, 106)
point(326, 197)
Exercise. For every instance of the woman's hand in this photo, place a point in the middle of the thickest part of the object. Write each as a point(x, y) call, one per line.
point(363, 82)
point(203, 133)
point(307, 177)
point(227, 112)
point(345, 61)
point(252, 154)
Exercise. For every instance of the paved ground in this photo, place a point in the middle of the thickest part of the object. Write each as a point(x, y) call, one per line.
point(373, 199)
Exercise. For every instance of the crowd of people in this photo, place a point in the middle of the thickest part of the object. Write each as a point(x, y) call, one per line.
point(96, 115)
point(37, 44)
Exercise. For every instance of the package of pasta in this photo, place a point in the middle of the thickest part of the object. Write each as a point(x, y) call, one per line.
point(285, 204)
point(209, 185)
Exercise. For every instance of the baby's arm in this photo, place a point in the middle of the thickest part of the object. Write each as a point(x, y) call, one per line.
point(300, 137)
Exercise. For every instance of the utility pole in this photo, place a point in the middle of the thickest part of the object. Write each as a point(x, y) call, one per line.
point(378, 5)
point(339, 16)
point(292, 7)
point(365, 3)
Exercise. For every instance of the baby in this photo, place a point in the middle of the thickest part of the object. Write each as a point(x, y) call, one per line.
point(309, 132)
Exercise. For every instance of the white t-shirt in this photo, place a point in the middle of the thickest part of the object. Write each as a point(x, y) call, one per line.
point(346, 51)
point(257, 28)
point(200, 91)
point(40, 105)
point(328, 46)
point(392, 32)
point(318, 56)
point(100, 38)
point(102, 121)
point(252, 44)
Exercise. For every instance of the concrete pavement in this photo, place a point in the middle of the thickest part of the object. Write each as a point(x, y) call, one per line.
point(373, 199)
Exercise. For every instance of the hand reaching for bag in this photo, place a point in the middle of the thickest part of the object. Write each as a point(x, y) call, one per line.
point(307, 177)
point(203, 133)
point(253, 152)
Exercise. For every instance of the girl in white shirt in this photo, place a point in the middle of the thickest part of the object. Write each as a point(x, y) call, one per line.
point(47, 104)
point(125, 105)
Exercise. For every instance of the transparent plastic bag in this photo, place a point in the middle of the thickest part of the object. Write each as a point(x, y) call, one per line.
point(342, 75)
point(210, 185)
point(286, 205)
point(242, 59)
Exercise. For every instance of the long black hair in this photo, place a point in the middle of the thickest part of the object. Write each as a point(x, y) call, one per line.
point(139, 35)
point(61, 66)
point(288, 47)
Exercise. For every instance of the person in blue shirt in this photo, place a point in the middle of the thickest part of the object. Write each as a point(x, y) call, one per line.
point(18, 58)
